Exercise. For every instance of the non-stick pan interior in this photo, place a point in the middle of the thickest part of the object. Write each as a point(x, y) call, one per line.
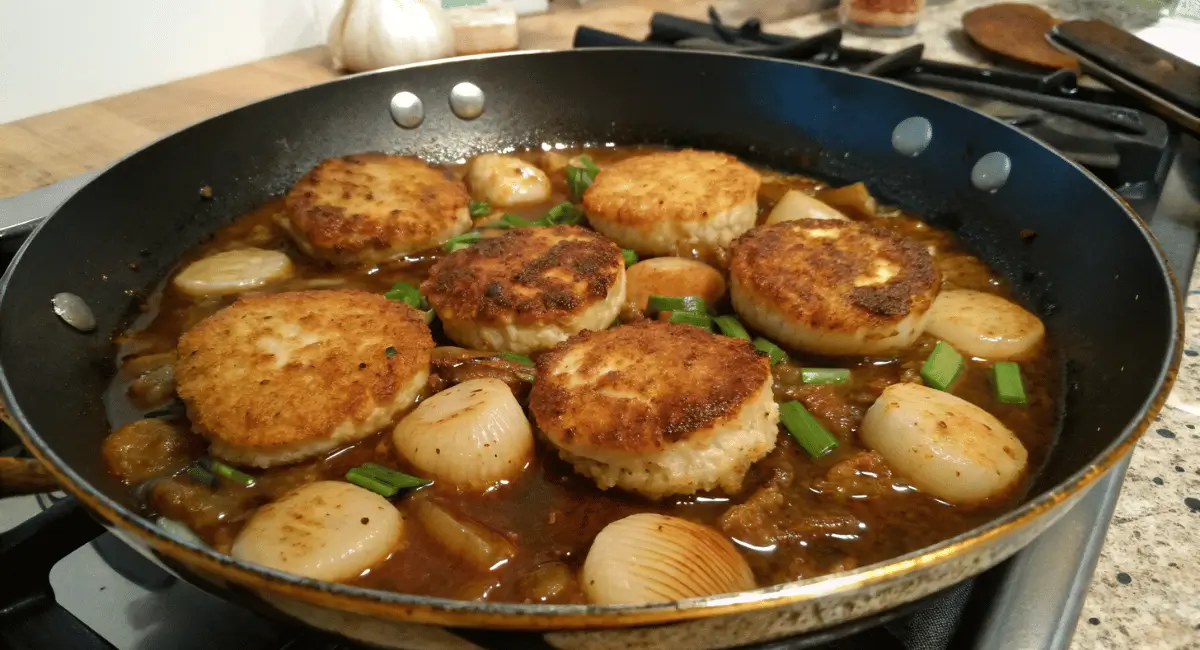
point(1090, 270)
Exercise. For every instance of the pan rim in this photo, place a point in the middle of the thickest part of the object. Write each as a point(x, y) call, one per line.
point(426, 609)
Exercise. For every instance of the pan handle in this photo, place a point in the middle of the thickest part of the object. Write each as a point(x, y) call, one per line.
point(22, 213)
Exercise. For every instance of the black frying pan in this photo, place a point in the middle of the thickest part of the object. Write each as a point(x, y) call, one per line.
point(1093, 273)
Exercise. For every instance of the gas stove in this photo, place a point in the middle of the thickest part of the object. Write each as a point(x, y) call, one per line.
point(81, 588)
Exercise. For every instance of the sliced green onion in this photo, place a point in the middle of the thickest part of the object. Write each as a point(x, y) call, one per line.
point(730, 326)
point(201, 475)
point(461, 241)
point(580, 177)
point(695, 304)
point(429, 316)
point(221, 469)
point(508, 220)
point(383, 481)
point(630, 256)
point(773, 352)
point(513, 357)
point(943, 366)
point(390, 352)
point(405, 292)
point(825, 375)
point(691, 318)
point(479, 209)
point(564, 214)
point(807, 431)
point(1010, 389)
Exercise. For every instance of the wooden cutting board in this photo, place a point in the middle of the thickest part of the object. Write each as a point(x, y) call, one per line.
point(1017, 31)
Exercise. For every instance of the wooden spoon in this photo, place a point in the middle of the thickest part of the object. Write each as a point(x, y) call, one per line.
point(1018, 31)
point(24, 476)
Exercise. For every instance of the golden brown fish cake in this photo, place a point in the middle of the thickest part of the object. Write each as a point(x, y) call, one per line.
point(661, 203)
point(833, 287)
point(277, 378)
point(527, 288)
point(656, 407)
point(372, 207)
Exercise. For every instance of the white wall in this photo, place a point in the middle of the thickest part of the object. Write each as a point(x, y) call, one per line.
point(57, 53)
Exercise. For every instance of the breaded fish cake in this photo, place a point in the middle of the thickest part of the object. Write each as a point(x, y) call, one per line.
point(373, 207)
point(833, 287)
point(528, 288)
point(277, 378)
point(657, 408)
point(663, 203)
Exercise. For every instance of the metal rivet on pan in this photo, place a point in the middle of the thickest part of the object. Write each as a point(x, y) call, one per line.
point(466, 100)
point(72, 309)
point(407, 110)
point(912, 136)
point(991, 172)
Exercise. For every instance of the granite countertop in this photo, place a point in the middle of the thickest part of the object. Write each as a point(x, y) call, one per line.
point(1145, 592)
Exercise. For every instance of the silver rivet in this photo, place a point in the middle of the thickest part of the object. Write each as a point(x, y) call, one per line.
point(991, 171)
point(407, 110)
point(466, 100)
point(72, 309)
point(912, 136)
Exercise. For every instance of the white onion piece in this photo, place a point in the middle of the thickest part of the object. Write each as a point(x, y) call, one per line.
point(650, 558)
point(472, 435)
point(798, 205)
point(507, 180)
point(984, 325)
point(233, 272)
point(480, 547)
point(943, 445)
point(326, 530)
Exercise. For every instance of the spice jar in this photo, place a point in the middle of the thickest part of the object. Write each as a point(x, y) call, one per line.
point(881, 17)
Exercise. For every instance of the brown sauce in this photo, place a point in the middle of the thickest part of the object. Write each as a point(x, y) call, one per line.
point(814, 522)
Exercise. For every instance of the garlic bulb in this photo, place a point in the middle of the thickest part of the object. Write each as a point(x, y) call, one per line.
point(649, 558)
point(370, 34)
point(472, 435)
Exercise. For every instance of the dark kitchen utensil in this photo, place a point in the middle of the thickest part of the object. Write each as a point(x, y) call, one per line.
point(1093, 272)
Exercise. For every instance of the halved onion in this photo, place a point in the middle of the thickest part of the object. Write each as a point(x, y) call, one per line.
point(475, 544)
point(984, 325)
point(233, 272)
point(649, 558)
point(798, 205)
point(472, 435)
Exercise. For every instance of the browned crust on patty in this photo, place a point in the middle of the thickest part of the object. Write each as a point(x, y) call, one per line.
point(228, 376)
point(525, 276)
point(367, 206)
point(687, 185)
point(669, 381)
point(813, 280)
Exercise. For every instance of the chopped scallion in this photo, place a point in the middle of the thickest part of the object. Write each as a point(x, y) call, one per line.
point(429, 315)
point(405, 292)
point(564, 214)
point(730, 326)
point(805, 428)
point(221, 469)
point(201, 475)
point(630, 256)
point(656, 304)
point(479, 209)
point(1010, 389)
point(581, 176)
point(773, 352)
point(383, 481)
point(825, 375)
point(513, 357)
point(461, 241)
point(390, 352)
point(943, 366)
point(691, 318)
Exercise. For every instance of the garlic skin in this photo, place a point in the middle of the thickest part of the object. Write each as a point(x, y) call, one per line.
point(651, 558)
point(371, 34)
